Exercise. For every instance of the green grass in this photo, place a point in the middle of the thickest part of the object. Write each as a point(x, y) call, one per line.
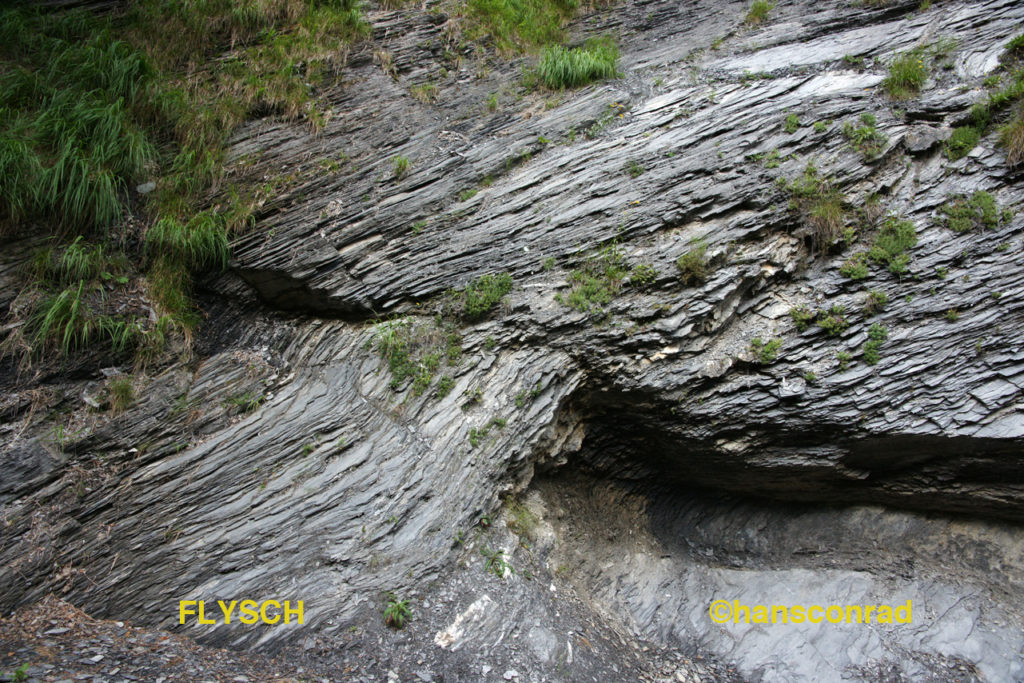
point(907, 73)
point(693, 265)
point(199, 243)
point(977, 212)
point(482, 296)
point(758, 12)
point(819, 205)
point(961, 142)
point(865, 138)
point(792, 123)
point(894, 238)
point(92, 104)
point(767, 352)
point(597, 281)
point(400, 166)
point(802, 317)
point(121, 393)
point(516, 26)
point(560, 67)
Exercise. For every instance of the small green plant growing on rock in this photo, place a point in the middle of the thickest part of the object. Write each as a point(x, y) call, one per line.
point(894, 238)
point(597, 281)
point(767, 352)
point(820, 126)
point(693, 265)
point(484, 294)
point(528, 395)
point(396, 612)
point(810, 377)
point(875, 301)
point(401, 165)
point(121, 394)
point(844, 359)
point(643, 275)
point(819, 205)
point(758, 12)
point(495, 562)
point(907, 73)
point(834, 322)
point(247, 402)
point(952, 315)
point(961, 142)
point(856, 267)
point(802, 317)
point(977, 212)
point(792, 123)
point(865, 138)
point(634, 170)
point(444, 387)
point(876, 337)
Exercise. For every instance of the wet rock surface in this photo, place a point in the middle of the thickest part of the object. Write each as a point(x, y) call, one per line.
point(279, 462)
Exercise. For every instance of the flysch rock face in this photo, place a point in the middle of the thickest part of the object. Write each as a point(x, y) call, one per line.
point(336, 489)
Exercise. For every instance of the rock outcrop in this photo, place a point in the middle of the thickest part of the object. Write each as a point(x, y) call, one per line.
point(283, 462)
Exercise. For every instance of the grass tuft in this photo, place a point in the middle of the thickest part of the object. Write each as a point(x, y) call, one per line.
point(907, 73)
point(758, 12)
point(562, 67)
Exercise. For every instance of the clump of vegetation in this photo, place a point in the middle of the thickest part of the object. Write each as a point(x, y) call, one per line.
point(810, 377)
point(865, 138)
point(844, 359)
point(890, 247)
point(484, 294)
point(597, 281)
point(952, 315)
point(758, 12)
point(396, 612)
point(247, 402)
point(767, 352)
point(876, 337)
point(856, 267)
point(834, 321)
point(977, 212)
point(961, 142)
point(515, 26)
point(819, 205)
point(643, 275)
point(94, 104)
point(983, 115)
point(693, 265)
point(416, 351)
point(560, 67)
point(792, 123)
point(495, 562)
point(875, 301)
point(634, 170)
point(121, 394)
point(802, 317)
point(528, 395)
point(907, 73)
point(400, 165)
point(477, 434)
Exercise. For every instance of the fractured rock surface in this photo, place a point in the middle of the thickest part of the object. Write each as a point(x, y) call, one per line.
point(280, 462)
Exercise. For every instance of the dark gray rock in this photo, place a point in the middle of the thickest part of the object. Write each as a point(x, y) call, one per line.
point(335, 488)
